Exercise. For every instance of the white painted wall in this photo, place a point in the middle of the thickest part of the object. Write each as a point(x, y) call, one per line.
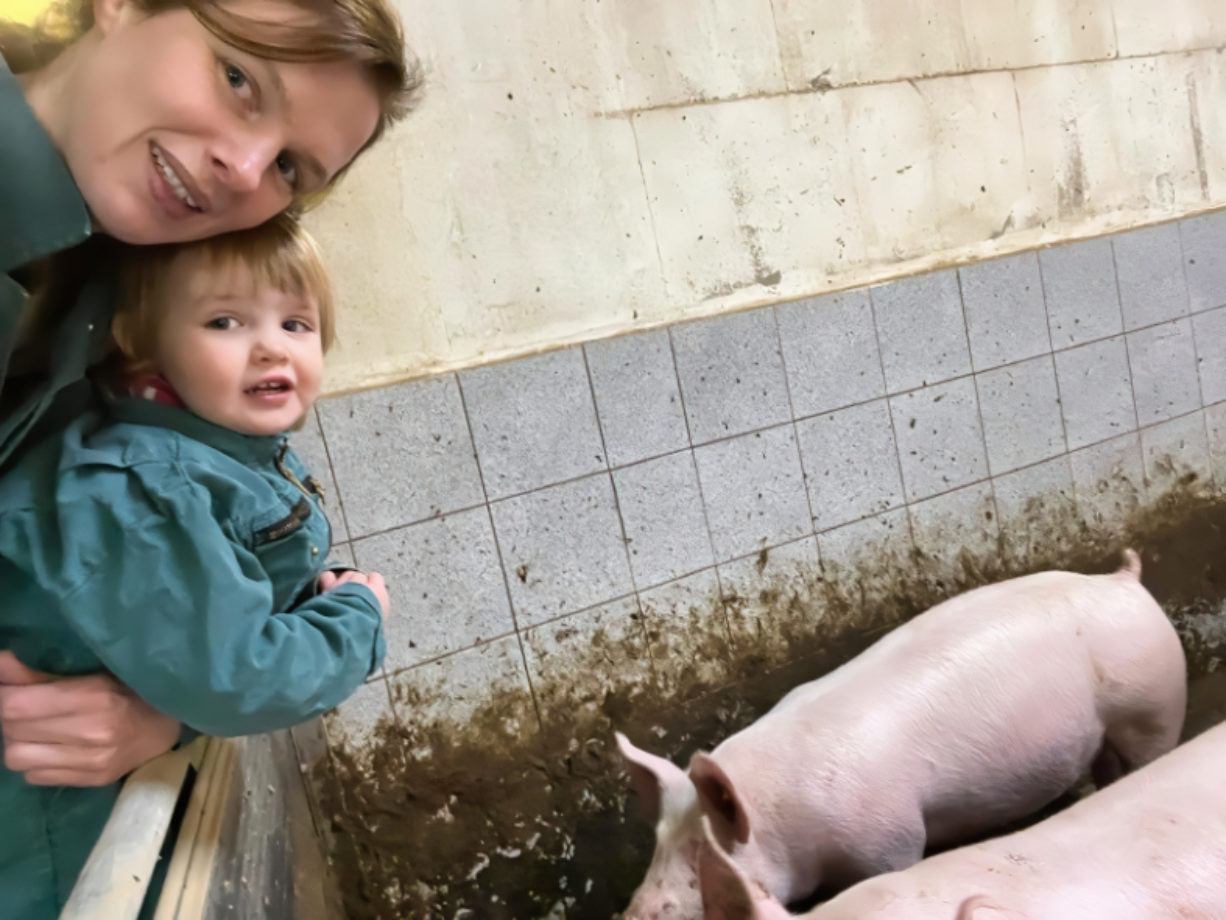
point(586, 167)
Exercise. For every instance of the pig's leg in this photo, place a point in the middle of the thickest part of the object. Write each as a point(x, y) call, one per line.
point(1150, 727)
point(1108, 766)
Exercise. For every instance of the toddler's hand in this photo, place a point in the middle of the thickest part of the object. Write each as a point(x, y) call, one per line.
point(372, 580)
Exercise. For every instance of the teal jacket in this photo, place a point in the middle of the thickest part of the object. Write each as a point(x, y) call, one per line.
point(181, 557)
point(41, 213)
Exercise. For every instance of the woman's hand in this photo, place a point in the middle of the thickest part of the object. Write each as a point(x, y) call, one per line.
point(76, 731)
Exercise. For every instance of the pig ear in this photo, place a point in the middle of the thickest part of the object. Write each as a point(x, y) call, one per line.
point(726, 894)
point(653, 779)
point(719, 800)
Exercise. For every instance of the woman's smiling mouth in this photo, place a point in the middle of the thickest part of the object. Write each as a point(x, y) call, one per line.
point(175, 179)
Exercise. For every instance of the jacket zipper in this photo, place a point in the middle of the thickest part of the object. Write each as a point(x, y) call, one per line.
point(285, 471)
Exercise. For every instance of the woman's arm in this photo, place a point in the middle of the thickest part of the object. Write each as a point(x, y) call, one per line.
point(76, 731)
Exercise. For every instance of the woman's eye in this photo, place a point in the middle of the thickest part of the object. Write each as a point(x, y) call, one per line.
point(221, 322)
point(238, 81)
point(288, 169)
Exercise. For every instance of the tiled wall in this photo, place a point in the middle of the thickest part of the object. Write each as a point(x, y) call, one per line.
point(602, 486)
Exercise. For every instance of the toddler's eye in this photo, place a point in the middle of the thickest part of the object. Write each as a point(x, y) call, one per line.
point(221, 322)
point(295, 325)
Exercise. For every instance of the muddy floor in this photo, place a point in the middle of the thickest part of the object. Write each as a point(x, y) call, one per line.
point(490, 820)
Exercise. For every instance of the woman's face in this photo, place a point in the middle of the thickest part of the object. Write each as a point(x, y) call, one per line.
point(173, 135)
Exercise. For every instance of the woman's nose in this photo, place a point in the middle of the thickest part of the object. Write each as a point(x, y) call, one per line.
point(241, 160)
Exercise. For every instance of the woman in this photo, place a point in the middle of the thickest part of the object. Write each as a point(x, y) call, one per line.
point(152, 121)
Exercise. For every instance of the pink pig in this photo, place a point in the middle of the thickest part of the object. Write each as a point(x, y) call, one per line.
point(975, 713)
point(1152, 847)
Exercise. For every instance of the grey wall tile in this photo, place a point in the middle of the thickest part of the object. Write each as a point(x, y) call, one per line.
point(731, 374)
point(1037, 508)
point(860, 559)
point(1204, 252)
point(533, 421)
point(921, 329)
point(445, 585)
point(1149, 265)
point(1080, 288)
point(940, 441)
point(946, 526)
point(353, 725)
point(576, 661)
point(1164, 377)
point(768, 597)
point(308, 444)
point(401, 453)
point(754, 492)
point(1021, 414)
point(1215, 422)
point(830, 350)
point(1006, 318)
point(1176, 455)
point(666, 530)
point(1109, 482)
point(1210, 329)
point(850, 463)
point(687, 633)
point(637, 397)
point(1095, 391)
point(562, 548)
point(455, 688)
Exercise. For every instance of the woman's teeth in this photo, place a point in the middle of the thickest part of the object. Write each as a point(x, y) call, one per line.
point(173, 181)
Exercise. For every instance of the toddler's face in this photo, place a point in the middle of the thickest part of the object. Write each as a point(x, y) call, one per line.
point(246, 357)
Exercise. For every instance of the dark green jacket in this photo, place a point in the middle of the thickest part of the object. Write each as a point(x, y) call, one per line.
point(41, 213)
point(181, 557)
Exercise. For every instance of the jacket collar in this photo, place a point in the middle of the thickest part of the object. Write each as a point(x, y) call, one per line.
point(41, 208)
point(246, 449)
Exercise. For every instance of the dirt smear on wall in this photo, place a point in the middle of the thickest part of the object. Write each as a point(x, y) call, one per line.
point(486, 818)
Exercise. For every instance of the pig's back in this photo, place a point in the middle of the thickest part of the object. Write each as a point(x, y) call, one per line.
point(1158, 835)
point(989, 632)
point(959, 683)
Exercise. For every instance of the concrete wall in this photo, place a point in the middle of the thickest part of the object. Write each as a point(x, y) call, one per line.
point(663, 532)
point(586, 168)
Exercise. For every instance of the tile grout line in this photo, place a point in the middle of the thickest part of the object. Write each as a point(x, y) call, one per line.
point(1126, 334)
point(1051, 344)
point(787, 389)
point(889, 411)
point(983, 432)
point(336, 482)
point(702, 496)
point(340, 504)
point(502, 567)
point(1200, 380)
point(621, 520)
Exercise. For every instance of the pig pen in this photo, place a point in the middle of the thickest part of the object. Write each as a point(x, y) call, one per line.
point(664, 533)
